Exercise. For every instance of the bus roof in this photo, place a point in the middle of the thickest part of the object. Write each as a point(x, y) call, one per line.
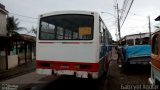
point(68, 12)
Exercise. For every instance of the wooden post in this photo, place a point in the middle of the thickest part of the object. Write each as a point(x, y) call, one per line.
point(30, 44)
point(6, 53)
point(16, 48)
point(25, 51)
point(17, 52)
point(9, 45)
point(149, 26)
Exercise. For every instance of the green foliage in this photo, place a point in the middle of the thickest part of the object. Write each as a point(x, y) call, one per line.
point(13, 26)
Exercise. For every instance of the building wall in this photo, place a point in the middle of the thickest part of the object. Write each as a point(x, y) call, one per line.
point(2, 63)
point(3, 22)
point(12, 61)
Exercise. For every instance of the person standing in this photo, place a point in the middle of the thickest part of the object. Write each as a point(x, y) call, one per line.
point(120, 55)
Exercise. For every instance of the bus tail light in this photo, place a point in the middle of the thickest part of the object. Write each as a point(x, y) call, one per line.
point(93, 67)
point(83, 67)
point(44, 64)
point(63, 66)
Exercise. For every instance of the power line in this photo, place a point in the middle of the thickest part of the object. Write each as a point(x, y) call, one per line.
point(109, 13)
point(127, 13)
point(110, 19)
point(23, 16)
point(115, 2)
point(137, 19)
point(125, 4)
point(27, 21)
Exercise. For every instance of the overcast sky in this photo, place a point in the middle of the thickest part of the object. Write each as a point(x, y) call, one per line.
point(27, 12)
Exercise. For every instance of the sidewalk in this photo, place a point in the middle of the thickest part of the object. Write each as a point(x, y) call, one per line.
point(114, 54)
point(19, 70)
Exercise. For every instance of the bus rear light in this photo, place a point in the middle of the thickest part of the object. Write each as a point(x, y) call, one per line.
point(92, 67)
point(83, 67)
point(45, 65)
point(64, 66)
point(77, 66)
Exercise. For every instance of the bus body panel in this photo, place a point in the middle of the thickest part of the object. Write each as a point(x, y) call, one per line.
point(62, 57)
point(155, 59)
point(67, 52)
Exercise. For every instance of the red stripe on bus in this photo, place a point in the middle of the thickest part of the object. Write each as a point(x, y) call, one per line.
point(46, 42)
point(71, 42)
point(59, 65)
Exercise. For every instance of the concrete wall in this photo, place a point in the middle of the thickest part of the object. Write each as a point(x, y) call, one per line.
point(2, 63)
point(22, 56)
point(3, 22)
point(12, 61)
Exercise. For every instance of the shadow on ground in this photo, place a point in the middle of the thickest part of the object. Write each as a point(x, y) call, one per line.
point(131, 75)
point(72, 83)
point(136, 69)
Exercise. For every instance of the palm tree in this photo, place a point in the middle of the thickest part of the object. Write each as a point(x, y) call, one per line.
point(34, 30)
point(13, 26)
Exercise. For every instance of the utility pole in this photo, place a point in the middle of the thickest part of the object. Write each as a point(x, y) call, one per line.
point(149, 26)
point(118, 25)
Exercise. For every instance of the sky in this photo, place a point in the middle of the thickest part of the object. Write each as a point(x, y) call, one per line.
point(27, 11)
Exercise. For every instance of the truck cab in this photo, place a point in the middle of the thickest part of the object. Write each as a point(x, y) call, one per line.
point(136, 49)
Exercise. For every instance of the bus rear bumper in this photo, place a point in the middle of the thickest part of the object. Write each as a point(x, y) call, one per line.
point(79, 74)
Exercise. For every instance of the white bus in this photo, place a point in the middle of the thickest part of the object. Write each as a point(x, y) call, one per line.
point(73, 43)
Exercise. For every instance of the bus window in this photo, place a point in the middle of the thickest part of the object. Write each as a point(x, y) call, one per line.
point(67, 27)
point(75, 35)
point(59, 32)
point(104, 36)
point(155, 45)
point(47, 31)
point(85, 32)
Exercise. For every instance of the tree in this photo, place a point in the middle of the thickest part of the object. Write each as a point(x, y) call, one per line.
point(34, 30)
point(13, 26)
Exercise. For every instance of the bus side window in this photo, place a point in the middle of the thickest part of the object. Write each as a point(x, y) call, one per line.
point(155, 45)
point(100, 37)
point(101, 31)
point(104, 36)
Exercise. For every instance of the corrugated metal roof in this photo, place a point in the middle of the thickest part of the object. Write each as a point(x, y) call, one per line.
point(158, 18)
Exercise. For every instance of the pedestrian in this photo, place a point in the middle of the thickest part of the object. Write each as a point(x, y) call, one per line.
point(120, 55)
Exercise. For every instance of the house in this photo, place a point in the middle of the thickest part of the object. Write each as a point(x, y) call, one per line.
point(3, 20)
point(15, 48)
point(3, 37)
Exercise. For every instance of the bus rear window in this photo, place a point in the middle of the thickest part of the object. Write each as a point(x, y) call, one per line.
point(66, 27)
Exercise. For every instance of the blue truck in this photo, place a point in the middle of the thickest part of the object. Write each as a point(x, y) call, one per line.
point(136, 49)
point(137, 54)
